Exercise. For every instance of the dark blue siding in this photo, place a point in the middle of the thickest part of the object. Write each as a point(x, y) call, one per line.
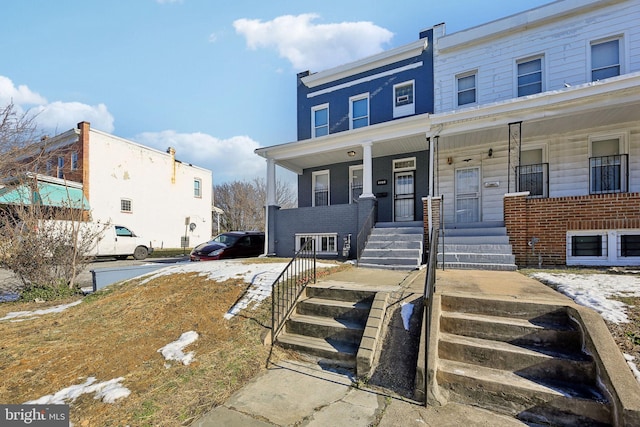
point(380, 93)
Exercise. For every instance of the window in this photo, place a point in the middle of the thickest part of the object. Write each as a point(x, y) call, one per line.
point(320, 188)
point(60, 171)
point(123, 231)
point(403, 99)
point(605, 59)
point(325, 243)
point(466, 88)
point(530, 77)
point(630, 245)
point(587, 246)
point(197, 188)
point(49, 167)
point(125, 205)
point(320, 120)
point(356, 180)
point(359, 111)
point(607, 167)
point(74, 161)
point(533, 173)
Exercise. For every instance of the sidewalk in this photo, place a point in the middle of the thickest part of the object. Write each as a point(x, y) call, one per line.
point(296, 393)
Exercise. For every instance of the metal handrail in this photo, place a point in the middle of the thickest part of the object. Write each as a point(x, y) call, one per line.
point(364, 233)
point(286, 289)
point(429, 289)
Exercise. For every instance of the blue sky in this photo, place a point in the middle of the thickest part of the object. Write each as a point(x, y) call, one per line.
point(213, 79)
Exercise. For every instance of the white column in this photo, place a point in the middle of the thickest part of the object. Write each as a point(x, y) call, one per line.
point(367, 171)
point(271, 182)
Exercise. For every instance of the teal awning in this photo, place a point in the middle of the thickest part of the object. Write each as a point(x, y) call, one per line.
point(48, 194)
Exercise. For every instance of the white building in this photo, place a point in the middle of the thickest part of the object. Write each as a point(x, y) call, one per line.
point(144, 189)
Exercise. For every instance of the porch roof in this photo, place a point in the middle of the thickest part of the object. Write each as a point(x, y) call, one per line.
point(608, 102)
point(404, 135)
point(46, 194)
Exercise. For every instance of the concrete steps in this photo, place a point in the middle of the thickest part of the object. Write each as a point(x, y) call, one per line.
point(394, 246)
point(483, 246)
point(517, 358)
point(328, 324)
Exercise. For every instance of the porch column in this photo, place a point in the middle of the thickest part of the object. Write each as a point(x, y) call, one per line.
point(367, 171)
point(271, 182)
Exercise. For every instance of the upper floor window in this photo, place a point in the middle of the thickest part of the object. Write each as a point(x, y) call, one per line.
point(605, 59)
point(608, 170)
point(49, 167)
point(359, 111)
point(320, 120)
point(530, 76)
point(320, 188)
point(197, 188)
point(403, 99)
point(60, 172)
point(74, 161)
point(125, 205)
point(466, 88)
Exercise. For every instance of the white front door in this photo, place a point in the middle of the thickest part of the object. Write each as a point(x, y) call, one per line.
point(404, 196)
point(468, 195)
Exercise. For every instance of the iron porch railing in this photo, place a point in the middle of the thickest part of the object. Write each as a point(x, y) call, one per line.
point(286, 289)
point(429, 289)
point(365, 232)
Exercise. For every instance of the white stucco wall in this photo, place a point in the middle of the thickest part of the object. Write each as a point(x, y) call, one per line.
point(123, 169)
point(556, 31)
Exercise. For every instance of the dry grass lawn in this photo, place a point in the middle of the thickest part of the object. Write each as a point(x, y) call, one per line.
point(117, 333)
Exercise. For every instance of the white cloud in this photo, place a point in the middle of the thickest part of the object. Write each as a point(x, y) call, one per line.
point(62, 116)
point(310, 46)
point(54, 117)
point(230, 159)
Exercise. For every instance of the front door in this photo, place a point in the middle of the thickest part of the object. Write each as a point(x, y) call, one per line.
point(468, 195)
point(404, 196)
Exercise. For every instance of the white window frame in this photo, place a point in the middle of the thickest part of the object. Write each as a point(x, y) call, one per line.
point(351, 170)
point(406, 109)
point(74, 161)
point(543, 73)
point(314, 177)
point(313, 119)
point(623, 149)
point(320, 239)
point(460, 76)
point(621, 53)
point(410, 167)
point(60, 168)
point(354, 99)
point(545, 160)
point(123, 202)
point(588, 260)
point(197, 192)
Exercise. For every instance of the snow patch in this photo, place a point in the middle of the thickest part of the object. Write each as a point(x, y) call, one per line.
point(174, 350)
point(29, 315)
point(406, 311)
point(107, 391)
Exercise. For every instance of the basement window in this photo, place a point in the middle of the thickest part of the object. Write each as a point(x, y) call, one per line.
point(630, 245)
point(326, 243)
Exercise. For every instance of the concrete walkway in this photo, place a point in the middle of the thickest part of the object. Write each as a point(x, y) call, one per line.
point(300, 394)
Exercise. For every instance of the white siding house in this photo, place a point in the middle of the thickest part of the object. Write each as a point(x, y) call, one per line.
point(543, 103)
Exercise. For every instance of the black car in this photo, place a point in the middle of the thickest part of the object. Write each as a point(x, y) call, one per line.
point(234, 244)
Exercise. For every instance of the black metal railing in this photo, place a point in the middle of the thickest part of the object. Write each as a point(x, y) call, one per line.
point(429, 289)
point(365, 232)
point(608, 174)
point(286, 289)
point(534, 179)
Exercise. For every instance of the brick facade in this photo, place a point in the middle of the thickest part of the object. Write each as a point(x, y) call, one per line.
point(550, 219)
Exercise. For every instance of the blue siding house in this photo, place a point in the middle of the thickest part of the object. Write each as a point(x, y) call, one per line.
point(362, 151)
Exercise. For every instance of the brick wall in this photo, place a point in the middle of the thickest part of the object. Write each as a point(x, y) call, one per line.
point(550, 219)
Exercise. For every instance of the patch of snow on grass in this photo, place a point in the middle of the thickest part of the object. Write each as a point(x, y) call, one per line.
point(107, 391)
point(634, 368)
point(594, 291)
point(28, 315)
point(174, 350)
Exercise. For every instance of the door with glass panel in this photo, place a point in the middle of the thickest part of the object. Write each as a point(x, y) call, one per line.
point(404, 196)
point(468, 195)
point(356, 179)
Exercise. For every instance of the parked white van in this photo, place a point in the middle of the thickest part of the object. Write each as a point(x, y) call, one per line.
point(121, 242)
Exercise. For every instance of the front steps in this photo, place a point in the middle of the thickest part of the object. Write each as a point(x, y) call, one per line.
point(328, 324)
point(478, 246)
point(519, 358)
point(394, 245)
